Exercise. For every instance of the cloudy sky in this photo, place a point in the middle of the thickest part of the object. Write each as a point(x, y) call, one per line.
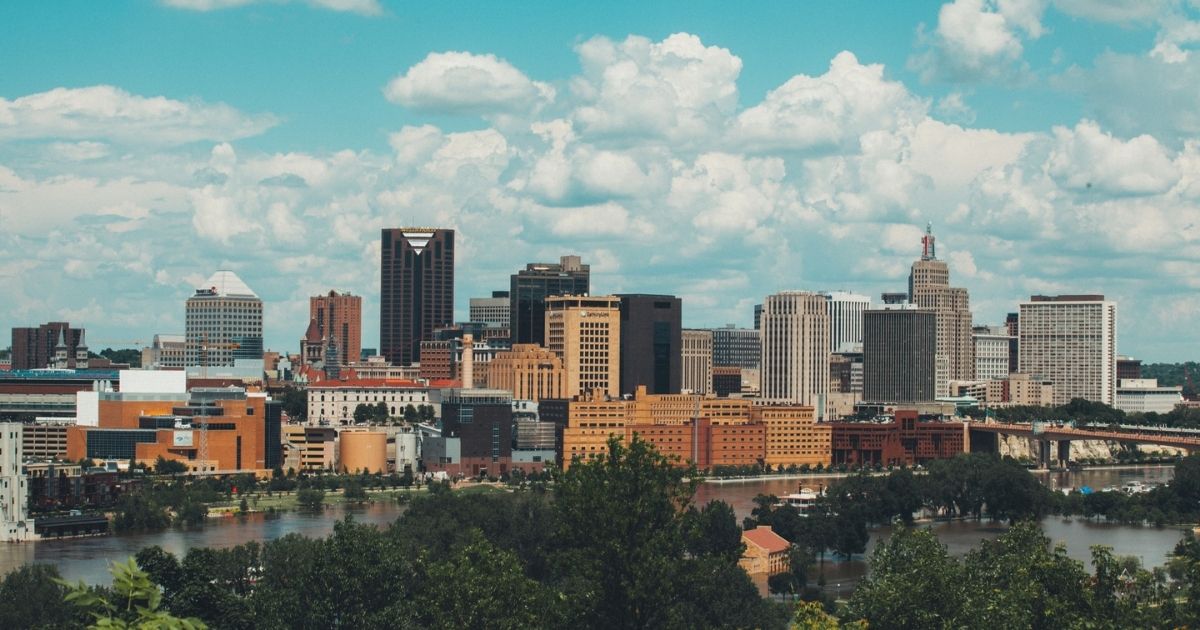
point(714, 150)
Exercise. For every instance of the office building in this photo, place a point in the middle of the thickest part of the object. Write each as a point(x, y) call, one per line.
point(482, 421)
point(529, 289)
point(15, 524)
point(992, 352)
point(1071, 341)
point(736, 347)
point(494, 312)
point(166, 352)
point(727, 380)
point(1144, 395)
point(529, 371)
point(795, 350)
point(338, 317)
point(334, 401)
point(1014, 390)
point(1012, 326)
point(696, 361)
point(416, 292)
point(899, 352)
point(845, 320)
point(651, 329)
point(224, 322)
point(585, 332)
point(37, 348)
point(929, 288)
point(1128, 368)
point(905, 441)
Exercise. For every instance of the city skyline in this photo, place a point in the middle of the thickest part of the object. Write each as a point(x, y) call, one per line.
point(732, 160)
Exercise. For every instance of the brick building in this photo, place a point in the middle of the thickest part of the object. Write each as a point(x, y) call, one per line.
point(906, 440)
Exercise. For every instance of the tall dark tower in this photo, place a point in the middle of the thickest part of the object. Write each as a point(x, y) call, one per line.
point(531, 286)
point(651, 341)
point(416, 290)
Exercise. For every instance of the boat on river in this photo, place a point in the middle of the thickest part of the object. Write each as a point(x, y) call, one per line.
point(803, 500)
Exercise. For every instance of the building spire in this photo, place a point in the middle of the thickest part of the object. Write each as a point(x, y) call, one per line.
point(928, 248)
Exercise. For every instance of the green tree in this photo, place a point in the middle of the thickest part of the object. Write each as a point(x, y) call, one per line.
point(32, 597)
point(165, 466)
point(713, 530)
point(310, 498)
point(410, 413)
point(362, 413)
point(137, 512)
point(913, 583)
point(134, 602)
point(380, 413)
point(295, 403)
point(354, 491)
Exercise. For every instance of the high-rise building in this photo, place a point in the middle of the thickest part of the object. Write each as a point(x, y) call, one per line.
point(530, 287)
point(651, 326)
point(929, 288)
point(1071, 341)
point(339, 317)
point(1012, 326)
point(35, 348)
point(845, 320)
point(223, 322)
point(15, 524)
point(165, 352)
point(529, 371)
point(795, 350)
point(992, 345)
point(493, 312)
point(899, 354)
point(416, 293)
point(736, 347)
point(585, 332)
point(697, 361)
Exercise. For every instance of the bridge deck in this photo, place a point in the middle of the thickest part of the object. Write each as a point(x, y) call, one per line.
point(1054, 432)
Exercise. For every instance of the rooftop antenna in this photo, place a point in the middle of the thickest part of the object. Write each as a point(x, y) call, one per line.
point(928, 249)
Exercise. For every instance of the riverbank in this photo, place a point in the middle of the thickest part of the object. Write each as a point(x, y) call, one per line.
point(920, 471)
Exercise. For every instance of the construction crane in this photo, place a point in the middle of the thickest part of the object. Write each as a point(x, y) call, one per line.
point(205, 345)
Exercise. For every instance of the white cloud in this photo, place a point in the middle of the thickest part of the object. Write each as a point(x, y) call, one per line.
point(677, 89)
point(829, 111)
point(465, 83)
point(977, 40)
point(954, 108)
point(362, 7)
point(1086, 159)
point(1114, 11)
point(108, 112)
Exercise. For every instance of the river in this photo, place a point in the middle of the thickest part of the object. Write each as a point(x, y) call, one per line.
point(88, 558)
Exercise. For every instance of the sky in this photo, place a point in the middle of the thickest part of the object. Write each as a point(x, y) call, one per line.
point(714, 150)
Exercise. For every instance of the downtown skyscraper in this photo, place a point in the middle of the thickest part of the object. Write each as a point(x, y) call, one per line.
point(929, 288)
point(416, 292)
point(795, 350)
point(530, 287)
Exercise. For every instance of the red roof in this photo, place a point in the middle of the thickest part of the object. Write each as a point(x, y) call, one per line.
point(764, 537)
point(313, 334)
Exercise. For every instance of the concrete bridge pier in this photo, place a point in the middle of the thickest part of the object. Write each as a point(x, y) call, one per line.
point(1043, 454)
point(1064, 453)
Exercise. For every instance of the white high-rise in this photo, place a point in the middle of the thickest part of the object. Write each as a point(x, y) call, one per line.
point(846, 320)
point(795, 350)
point(697, 354)
point(1071, 341)
point(15, 524)
point(991, 352)
point(224, 322)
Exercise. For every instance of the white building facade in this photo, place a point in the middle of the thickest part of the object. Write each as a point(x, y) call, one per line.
point(1143, 395)
point(15, 524)
point(697, 354)
point(846, 320)
point(991, 353)
point(1071, 341)
point(333, 402)
point(795, 350)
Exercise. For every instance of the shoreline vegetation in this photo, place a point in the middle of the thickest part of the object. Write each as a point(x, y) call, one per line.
point(619, 542)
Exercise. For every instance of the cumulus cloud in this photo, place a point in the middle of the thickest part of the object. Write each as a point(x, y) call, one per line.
point(829, 111)
point(1088, 159)
point(465, 83)
point(362, 7)
point(648, 165)
point(1139, 94)
point(107, 112)
point(977, 40)
point(677, 89)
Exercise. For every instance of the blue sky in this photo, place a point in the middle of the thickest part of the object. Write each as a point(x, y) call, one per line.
point(721, 151)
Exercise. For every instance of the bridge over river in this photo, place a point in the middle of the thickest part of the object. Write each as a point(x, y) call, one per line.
point(1056, 437)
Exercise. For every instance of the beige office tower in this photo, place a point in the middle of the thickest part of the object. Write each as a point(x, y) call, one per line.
point(929, 288)
point(585, 332)
point(795, 350)
point(1071, 341)
point(529, 371)
point(697, 351)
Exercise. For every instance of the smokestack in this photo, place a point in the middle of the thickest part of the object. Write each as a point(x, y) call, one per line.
point(468, 368)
